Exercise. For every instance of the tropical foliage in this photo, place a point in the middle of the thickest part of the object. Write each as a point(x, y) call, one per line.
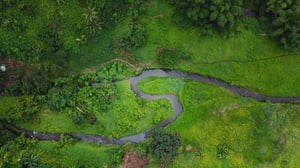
point(221, 15)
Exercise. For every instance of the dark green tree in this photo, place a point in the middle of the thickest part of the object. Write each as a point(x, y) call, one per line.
point(285, 18)
point(164, 146)
point(60, 98)
point(221, 15)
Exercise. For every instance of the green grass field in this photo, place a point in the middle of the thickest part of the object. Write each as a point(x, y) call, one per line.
point(79, 153)
point(256, 134)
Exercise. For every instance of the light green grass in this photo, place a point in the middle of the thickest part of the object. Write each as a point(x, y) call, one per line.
point(161, 85)
point(79, 154)
point(257, 134)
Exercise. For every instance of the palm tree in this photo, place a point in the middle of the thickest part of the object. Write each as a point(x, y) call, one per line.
point(92, 20)
point(30, 160)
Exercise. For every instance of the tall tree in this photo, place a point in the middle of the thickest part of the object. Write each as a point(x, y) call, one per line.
point(219, 14)
point(285, 17)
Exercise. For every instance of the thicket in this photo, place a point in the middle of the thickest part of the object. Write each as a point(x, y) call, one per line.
point(284, 16)
point(13, 151)
point(219, 15)
point(21, 109)
point(280, 19)
point(164, 146)
point(5, 134)
point(85, 95)
point(169, 57)
point(54, 30)
point(136, 34)
point(26, 80)
point(81, 102)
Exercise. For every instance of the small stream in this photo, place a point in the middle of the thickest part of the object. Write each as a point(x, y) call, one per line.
point(173, 99)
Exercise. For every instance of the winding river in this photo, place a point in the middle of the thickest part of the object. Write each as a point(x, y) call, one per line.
point(177, 107)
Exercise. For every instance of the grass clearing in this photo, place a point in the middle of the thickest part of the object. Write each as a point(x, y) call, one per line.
point(79, 154)
point(161, 85)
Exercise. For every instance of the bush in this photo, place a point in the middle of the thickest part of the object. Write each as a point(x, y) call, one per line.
point(29, 160)
point(134, 38)
point(157, 118)
point(19, 109)
point(117, 156)
point(222, 151)
point(169, 57)
point(30, 81)
point(78, 120)
point(95, 99)
point(164, 146)
point(56, 99)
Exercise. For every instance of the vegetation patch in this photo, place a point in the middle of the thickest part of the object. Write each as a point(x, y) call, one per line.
point(49, 82)
point(215, 125)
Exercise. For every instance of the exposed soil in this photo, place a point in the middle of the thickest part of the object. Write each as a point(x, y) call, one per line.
point(133, 160)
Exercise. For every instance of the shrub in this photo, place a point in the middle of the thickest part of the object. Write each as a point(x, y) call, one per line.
point(56, 99)
point(169, 57)
point(222, 151)
point(29, 80)
point(164, 146)
point(78, 120)
point(29, 160)
point(134, 38)
point(96, 99)
point(21, 109)
point(157, 118)
point(117, 156)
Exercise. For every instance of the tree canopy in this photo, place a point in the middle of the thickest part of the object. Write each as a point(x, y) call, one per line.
point(285, 21)
point(221, 15)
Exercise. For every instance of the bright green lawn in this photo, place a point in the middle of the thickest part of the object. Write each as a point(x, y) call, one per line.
point(257, 134)
point(79, 154)
point(127, 115)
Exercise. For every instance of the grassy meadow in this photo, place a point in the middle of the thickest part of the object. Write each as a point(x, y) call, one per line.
point(255, 134)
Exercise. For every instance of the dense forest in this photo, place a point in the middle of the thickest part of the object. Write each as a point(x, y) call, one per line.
point(66, 66)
